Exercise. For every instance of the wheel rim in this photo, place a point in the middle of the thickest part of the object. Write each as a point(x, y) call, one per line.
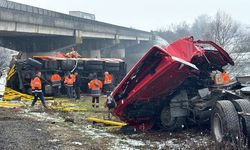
point(217, 128)
point(166, 118)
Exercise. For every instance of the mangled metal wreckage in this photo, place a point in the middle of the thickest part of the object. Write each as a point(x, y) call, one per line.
point(172, 86)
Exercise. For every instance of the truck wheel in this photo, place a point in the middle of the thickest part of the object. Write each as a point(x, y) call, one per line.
point(94, 65)
point(225, 122)
point(170, 123)
point(112, 68)
point(51, 65)
point(68, 64)
point(243, 105)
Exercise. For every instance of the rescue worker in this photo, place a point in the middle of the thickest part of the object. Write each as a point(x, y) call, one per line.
point(60, 55)
point(107, 83)
point(56, 83)
point(221, 78)
point(36, 86)
point(77, 83)
point(225, 77)
point(73, 54)
point(73, 76)
point(95, 85)
point(68, 81)
point(1, 73)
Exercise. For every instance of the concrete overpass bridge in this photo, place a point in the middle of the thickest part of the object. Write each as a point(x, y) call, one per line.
point(32, 29)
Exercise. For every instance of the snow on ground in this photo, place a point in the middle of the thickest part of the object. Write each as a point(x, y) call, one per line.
point(5, 59)
point(2, 85)
point(42, 116)
point(242, 65)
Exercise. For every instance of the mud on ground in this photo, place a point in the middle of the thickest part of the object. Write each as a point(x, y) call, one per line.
point(36, 129)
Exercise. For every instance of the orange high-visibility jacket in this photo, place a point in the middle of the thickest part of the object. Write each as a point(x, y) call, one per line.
point(32, 84)
point(36, 83)
point(95, 84)
point(225, 77)
point(68, 81)
point(55, 77)
point(108, 79)
point(73, 76)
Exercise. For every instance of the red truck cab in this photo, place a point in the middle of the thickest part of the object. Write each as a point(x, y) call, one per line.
point(155, 78)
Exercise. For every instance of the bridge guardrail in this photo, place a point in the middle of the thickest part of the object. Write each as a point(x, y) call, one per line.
point(27, 8)
point(36, 10)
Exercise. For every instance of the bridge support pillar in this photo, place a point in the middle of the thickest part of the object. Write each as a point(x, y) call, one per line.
point(138, 41)
point(116, 40)
point(78, 36)
point(95, 53)
point(118, 53)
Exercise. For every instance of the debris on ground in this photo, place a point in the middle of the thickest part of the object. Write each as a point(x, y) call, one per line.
point(74, 124)
point(66, 135)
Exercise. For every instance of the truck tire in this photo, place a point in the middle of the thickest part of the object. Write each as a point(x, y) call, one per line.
point(169, 123)
point(34, 63)
point(112, 66)
point(225, 122)
point(21, 62)
point(110, 69)
point(80, 65)
point(68, 64)
point(51, 65)
point(94, 62)
point(94, 65)
point(243, 105)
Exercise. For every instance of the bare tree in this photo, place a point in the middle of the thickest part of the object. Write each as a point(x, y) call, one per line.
point(174, 31)
point(200, 28)
point(223, 30)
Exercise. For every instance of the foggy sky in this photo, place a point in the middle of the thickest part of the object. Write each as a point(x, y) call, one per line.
point(148, 14)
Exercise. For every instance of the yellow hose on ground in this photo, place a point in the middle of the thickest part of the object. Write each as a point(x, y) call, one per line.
point(114, 123)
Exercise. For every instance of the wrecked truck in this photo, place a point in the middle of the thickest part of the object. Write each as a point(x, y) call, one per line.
point(25, 69)
point(171, 87)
